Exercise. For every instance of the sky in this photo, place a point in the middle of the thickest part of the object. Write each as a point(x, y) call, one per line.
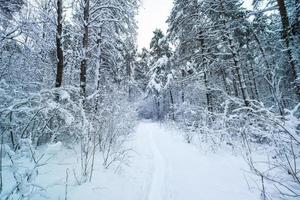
point(153, 14)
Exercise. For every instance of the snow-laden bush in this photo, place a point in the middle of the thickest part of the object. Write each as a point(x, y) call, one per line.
point(209, 127)
point(278, 170)
point(254, 130)
point(106, 128)
point(116, 129)
point(39, 116)
point(21, 170)
point(29, 120)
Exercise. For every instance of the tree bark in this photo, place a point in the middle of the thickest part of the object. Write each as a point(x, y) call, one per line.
point(249, 82)
point(98, 69)
point(208, 93)
point(1, 154)
point(83, 65)
point(254, 81)
point(295, 24)
point(238, 73)
point(206, 82)
point(234, 83)
point(172, 104)
point(285, 36)
point(59, 46)
point(226, 84)
point(158, 108)
point(242, 83)
point(182, 86)
point(11, 130)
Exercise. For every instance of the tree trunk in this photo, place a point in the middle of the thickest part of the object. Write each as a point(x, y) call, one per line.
point(182, 86)
point(226, 84)
point(235, 83)
point(295, 24)
point(285, 37)
point(208, 93)
point(172, 104)
point(269, 79)
point(242, 84)
point(83, 65)
point(237, 69)
point(250, 82)
point(158, 108)
point(1, 155)
point(98, 70)
point(129, 68)
point(11, 131)
point(59, 46)
point(262, 51)
point(254, 81)
point(206, 83)
point(239, 75)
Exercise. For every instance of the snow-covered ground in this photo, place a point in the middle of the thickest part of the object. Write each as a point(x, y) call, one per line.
point(162, 167)
point(181, 171)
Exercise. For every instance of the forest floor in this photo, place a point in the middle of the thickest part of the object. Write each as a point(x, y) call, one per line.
point(161, 167)
point(181, 171)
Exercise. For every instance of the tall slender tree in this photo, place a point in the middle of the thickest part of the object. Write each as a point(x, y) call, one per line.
point(85, 45)
point(59, 45)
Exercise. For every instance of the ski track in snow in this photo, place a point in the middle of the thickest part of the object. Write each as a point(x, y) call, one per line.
point(164, 167)
point(180, 171)
point(157, 185)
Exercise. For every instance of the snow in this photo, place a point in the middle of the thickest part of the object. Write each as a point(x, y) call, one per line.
point(182, 171)
point(154, 85)
point(162, 167)
point(64, 95)
point(169, 80)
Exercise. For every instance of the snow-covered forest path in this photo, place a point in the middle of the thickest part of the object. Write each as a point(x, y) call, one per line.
point(162, 166)
point(179, 171)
